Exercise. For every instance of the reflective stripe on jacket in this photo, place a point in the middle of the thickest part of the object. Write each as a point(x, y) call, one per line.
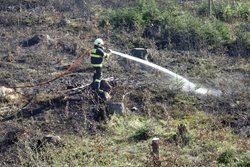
point(97, 56)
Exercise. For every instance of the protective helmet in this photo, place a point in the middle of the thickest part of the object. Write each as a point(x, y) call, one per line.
point(99, 42)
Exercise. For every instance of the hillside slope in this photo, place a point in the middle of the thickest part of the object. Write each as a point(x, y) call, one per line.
point(216, 129)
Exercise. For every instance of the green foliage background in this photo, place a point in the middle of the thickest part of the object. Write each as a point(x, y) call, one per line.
point(227, 28)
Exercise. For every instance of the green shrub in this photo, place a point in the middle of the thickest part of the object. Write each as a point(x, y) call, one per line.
point(226, 11)
point(197, 32)
point(214, 32)
point(142, 14)
point(241, 44)
point(226, 157)
point(125, 17)
point(194, 33)
point(180, 29)
point(245, 160)
point(244, 37)
point(142, 133)
point(149, 10)
point(137, 42)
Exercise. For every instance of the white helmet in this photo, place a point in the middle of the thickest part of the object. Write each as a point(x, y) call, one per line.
point(99, 42)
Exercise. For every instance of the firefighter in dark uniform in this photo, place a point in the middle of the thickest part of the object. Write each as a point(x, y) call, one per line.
point(97, 55)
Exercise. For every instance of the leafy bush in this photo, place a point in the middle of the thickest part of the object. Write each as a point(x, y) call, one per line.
point(125, 17)
point(173, 28)
point(133, 17)
point(241, 45)
point(149, 10)
point(225, 11)
point(190, 32)
point(226, 157)
point(214, 32)
point(143, 133)
point(245, 160)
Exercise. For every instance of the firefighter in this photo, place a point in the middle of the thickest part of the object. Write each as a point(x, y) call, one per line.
point(97, 55)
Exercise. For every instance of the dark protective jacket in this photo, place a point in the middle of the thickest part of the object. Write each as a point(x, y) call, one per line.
point(97, 54)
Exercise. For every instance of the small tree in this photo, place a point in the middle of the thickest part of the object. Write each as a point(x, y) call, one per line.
point(210, 7)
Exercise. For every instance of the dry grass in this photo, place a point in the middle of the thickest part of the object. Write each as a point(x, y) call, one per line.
point(118, 141)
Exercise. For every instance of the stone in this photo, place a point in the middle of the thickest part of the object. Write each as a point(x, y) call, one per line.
point(154, 31)
point(134, 109)
point(116, 108)
point(52, 139)
point(5, 91)
point(31, 41)
point(8, 94)
point(141, 53)
point(105, 86)
point(107, 96)
point(49, 139)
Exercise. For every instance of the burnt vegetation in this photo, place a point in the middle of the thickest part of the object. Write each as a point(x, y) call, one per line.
point(41, 39)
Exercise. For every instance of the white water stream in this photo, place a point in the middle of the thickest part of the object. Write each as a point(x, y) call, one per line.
point(187, 86)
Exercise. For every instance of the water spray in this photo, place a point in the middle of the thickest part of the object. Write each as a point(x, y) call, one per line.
point(186, 85)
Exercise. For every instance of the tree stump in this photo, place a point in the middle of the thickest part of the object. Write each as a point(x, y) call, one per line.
point(182, 136)
point(155, 153)
point(116, 108)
